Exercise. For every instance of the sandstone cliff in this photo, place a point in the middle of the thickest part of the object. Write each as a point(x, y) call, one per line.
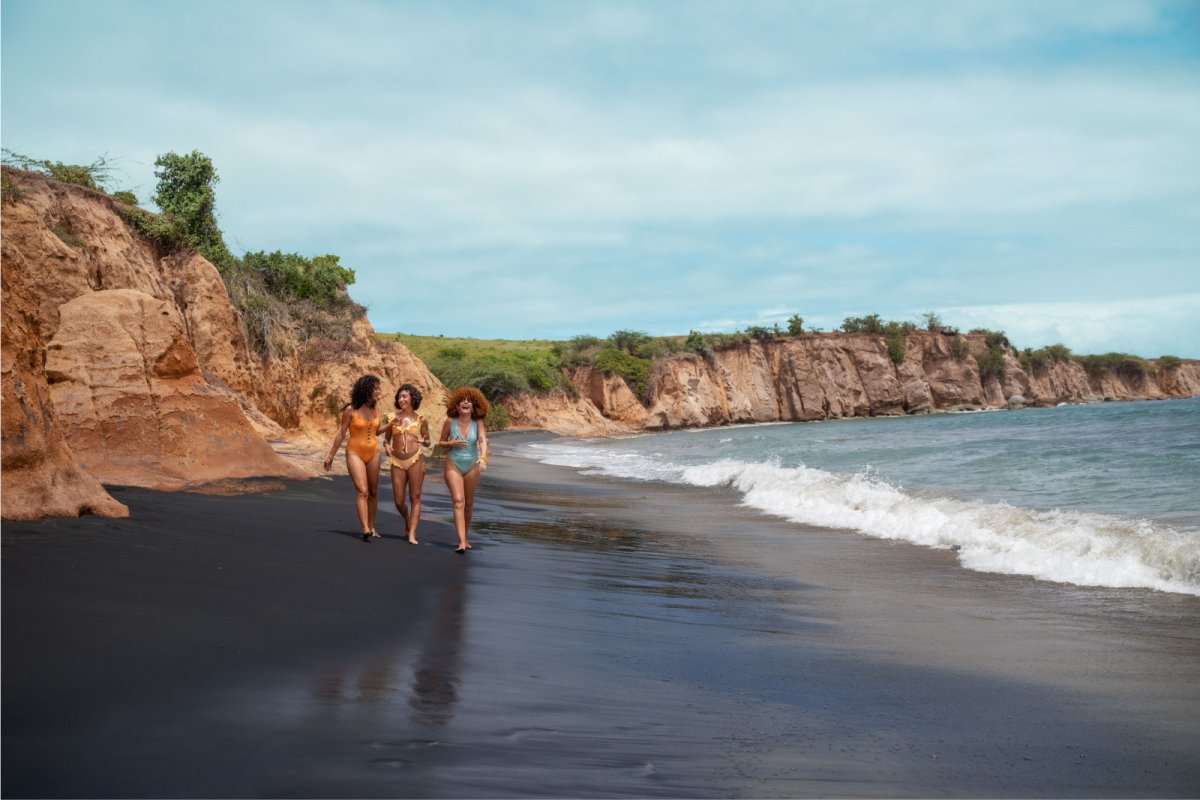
point(124, 367)
point(831, 375)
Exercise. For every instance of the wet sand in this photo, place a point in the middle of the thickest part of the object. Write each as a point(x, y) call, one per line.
point(602, 639)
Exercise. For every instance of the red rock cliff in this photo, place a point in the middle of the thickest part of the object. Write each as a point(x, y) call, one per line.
point(830, 375)
point(126, 368)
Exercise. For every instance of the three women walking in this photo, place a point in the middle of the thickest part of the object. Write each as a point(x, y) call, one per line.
point(406, 433)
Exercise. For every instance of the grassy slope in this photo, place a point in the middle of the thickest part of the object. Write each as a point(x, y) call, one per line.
point(428, 348)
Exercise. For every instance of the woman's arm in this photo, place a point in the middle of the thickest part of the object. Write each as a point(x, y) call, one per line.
point(347, 412)
point(483, 445)
point(444, 439)
point(386, 433)
point(426, 439)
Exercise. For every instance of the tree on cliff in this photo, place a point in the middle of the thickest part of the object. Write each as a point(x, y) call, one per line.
point(185, 192)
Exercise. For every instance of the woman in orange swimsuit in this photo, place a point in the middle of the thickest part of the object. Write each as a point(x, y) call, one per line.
point(361, 419)
point(405, 434)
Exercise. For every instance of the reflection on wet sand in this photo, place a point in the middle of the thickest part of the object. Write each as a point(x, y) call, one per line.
point(437, 677)
point(362, 692)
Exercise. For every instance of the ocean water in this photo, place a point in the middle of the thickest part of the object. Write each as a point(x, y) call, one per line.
point(1096, 495)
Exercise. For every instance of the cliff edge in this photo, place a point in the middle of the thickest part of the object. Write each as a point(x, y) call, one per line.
point(821, 376)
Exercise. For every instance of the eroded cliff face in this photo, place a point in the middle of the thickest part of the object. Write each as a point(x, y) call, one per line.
point(832, 375)
point(126, 368)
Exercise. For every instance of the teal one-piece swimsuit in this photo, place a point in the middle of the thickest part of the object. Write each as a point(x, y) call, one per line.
point(464, 457)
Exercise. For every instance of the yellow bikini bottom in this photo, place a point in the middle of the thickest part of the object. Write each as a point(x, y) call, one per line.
point(405, 463)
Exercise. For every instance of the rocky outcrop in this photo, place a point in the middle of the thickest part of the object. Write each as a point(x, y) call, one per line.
point(824, 376)
point(125, 383)
point(124, 367)
point(41, 475)
point(564, 414)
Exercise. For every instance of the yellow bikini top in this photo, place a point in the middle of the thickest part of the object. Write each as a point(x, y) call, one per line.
point(411, 426)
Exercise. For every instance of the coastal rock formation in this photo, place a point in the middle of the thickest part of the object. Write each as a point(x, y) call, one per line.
point(563, 414)
point(125, 383)
point(124, 366)
point(833, 375)
point(41, 476)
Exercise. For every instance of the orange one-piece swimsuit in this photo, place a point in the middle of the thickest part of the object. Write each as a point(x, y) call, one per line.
point(362, 437)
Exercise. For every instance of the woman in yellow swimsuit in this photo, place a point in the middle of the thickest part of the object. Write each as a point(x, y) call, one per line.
point(360, 419)
point(405, 434)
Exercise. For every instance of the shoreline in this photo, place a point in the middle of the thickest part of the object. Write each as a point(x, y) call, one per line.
point(602, 639)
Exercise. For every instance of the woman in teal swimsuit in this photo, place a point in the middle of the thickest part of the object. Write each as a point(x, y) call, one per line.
point(465, 438)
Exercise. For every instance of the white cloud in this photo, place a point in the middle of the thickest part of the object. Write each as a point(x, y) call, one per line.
point(1148, 327)
point(720, 159)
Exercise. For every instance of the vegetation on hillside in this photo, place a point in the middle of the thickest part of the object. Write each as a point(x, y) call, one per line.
point(290, 304)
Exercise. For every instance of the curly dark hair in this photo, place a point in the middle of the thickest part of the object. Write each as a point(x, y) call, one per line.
point(478, 401)
point(364, 387)
point(413, 392)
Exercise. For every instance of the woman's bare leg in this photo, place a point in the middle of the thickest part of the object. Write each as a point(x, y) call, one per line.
point(358, 474)
point(399, 488)
point(373, 491)
point(470, 483)
point(454, 482)
point(416, 479)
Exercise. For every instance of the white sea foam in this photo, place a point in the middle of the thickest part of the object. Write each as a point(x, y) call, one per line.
point(1065, 546)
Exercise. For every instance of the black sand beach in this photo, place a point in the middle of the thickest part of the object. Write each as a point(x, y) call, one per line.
point(602, 639)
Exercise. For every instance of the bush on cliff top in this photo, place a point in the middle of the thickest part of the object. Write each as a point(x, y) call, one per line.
point(289, 303)
point(90, 176)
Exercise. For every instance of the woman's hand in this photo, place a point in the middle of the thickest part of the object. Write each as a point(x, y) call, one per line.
point(328, 464)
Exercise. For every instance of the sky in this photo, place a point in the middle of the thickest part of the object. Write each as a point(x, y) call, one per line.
point(550, 169)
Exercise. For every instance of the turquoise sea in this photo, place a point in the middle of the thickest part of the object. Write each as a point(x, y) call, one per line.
point(1097, 495)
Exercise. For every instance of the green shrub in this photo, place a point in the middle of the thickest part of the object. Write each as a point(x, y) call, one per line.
point(497, 417)
point(992, 339)
point(959, 347)
point(577, 351)
point(795, 325)
point(1167, 362)
point(629, 341)
point(894, 338)
point(90, 176)
point(128, 198)
point(1123, 364)
point(294, 277)
point(991, 364)
point(761, 334)
point(185, 192)
point(10, 191)
point(496, 380)
point(1038, 360)
point(695, 342)
point(725, 341)
point(164, 232)
point(634, 370)
point(868, 324)
point(68, 238)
